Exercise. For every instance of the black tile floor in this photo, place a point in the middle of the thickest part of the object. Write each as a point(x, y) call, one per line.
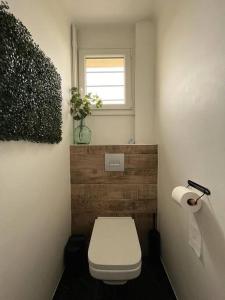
point(152, 284)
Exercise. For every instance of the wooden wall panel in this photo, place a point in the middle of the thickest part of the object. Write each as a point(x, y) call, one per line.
point(96, 193)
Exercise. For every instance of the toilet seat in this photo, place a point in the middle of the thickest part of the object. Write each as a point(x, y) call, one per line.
point(114, 252)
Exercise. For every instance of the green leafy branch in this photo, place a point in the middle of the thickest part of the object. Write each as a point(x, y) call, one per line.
point(81, 106)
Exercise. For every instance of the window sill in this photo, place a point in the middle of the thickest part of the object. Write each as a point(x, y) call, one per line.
point(113, 112)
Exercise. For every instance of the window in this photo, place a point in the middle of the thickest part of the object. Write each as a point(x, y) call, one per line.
point(107, 75)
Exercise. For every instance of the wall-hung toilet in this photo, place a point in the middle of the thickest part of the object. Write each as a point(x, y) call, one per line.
point(114, 253)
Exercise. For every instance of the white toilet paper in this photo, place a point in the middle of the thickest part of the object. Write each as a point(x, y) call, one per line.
point(182, 194)
point(195, 238)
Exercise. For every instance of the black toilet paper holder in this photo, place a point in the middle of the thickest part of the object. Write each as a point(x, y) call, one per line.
point(199, 187)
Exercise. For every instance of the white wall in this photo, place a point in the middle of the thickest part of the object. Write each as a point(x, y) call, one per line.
point(144, 82)
point(34, 179)
point(106, 36)
point(191, 123)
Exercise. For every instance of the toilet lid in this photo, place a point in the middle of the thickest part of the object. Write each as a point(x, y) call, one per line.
point(114, 244)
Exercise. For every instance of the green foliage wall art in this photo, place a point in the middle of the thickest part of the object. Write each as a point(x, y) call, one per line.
point(30, 87)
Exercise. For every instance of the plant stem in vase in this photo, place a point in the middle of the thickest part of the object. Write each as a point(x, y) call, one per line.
point(82, 134)
point(81, 108)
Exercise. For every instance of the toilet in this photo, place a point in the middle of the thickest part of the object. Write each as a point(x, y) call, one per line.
point(114, 253)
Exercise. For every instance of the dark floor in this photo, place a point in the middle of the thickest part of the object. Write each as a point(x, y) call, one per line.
point(152, 284)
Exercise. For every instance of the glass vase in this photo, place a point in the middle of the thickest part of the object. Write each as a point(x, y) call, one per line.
point(82, 134)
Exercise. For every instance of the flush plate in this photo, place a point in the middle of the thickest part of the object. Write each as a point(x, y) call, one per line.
point(114, 162)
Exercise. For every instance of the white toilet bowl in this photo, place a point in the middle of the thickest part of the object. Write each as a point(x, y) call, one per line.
point(114, 252)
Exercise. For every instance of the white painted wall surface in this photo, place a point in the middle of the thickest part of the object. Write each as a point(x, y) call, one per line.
point(34, 179)
point(191, 125)
point(109, 129)
point(106, 36)
point(144, 83)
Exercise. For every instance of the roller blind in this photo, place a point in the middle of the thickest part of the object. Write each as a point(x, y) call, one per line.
point(105, 76)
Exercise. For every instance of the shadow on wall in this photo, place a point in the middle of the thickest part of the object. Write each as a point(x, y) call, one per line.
point(214, 243)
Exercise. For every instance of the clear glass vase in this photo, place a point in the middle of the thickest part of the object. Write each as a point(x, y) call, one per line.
point(82, 134)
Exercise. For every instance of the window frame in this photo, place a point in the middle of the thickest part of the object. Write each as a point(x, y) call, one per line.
point(126, 53)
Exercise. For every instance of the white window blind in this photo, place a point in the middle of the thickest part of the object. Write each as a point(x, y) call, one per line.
point(105, 77)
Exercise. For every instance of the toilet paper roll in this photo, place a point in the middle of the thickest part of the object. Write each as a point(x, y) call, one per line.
point(182, 194)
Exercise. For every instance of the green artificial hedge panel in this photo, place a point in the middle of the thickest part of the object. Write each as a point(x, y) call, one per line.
point(30, 87)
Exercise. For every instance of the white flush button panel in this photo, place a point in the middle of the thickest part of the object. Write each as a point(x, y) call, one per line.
point(114, 162)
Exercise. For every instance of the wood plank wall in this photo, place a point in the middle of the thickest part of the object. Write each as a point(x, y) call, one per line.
point(95, 192)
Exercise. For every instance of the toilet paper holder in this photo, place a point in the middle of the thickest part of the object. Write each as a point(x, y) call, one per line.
point(199, 187)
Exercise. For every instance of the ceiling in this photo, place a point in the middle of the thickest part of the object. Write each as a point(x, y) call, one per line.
point(108, 11)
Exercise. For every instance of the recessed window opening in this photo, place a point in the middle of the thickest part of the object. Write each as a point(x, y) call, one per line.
point(105, 76)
